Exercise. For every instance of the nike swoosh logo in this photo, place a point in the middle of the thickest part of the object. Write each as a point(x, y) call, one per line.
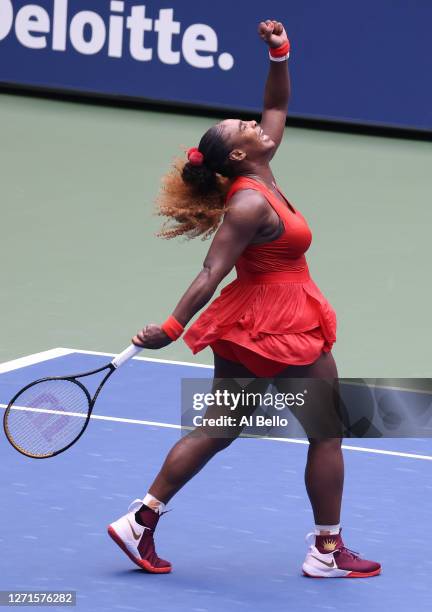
point(331, 565)
point(135, 535)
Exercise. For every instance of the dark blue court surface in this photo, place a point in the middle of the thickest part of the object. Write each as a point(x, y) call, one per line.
point(236, 532)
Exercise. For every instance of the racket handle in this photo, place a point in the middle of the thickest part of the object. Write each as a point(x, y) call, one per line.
point(125, 355)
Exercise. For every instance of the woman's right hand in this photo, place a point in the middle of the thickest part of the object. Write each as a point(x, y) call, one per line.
point(151, 337)
point(272, 32)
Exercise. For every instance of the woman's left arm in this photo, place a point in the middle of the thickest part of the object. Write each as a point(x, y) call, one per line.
point(277, 89)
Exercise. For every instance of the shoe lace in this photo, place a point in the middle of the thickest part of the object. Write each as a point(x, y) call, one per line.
point(352, 553)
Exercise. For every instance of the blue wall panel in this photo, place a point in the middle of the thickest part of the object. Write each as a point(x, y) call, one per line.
point(367, 62)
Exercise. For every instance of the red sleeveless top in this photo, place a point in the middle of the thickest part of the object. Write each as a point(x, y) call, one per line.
point(273, 307)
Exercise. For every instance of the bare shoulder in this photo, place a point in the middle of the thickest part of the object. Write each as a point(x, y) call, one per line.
point(247, 203)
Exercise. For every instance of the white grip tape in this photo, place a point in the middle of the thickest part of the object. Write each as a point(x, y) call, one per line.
point(125, 355)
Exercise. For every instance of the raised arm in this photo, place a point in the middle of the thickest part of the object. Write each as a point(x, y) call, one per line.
point(246, 215)
point(277, 88)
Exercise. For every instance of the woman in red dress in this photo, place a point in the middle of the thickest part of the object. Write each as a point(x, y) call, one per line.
point(272, 321)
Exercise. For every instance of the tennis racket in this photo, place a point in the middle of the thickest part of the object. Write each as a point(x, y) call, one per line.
point(50, 414)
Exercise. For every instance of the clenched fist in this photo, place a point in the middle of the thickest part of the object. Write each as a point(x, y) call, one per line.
point(273, 33)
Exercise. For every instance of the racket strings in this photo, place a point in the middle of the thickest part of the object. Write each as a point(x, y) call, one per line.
point(47, 417)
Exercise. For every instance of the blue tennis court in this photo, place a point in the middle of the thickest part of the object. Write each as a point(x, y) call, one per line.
point(236, 532)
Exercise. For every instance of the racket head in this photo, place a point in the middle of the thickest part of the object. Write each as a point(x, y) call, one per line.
point(47, 416)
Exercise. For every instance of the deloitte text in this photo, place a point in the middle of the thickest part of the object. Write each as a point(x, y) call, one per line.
point(126, 30)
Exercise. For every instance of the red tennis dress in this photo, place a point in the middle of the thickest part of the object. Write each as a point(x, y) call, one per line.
point(273, 314)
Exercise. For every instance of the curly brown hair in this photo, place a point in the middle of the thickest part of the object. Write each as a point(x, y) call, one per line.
point(193, 198)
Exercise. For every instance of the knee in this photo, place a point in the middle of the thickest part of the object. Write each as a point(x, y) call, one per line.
point(213, 443)
point(220, 444)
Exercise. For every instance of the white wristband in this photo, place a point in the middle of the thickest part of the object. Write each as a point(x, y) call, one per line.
point(278, 59)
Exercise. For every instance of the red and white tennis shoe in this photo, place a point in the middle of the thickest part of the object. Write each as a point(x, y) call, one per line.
point(329, 558)
point(137, 540)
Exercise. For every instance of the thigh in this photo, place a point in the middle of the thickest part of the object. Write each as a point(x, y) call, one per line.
point(320, 414)
point(324, 368)
point(236, 391)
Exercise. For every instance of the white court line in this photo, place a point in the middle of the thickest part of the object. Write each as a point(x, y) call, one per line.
point(80, 415)
point(61, 351)
point(202, 365)
point(23, 362)
point(360, 449)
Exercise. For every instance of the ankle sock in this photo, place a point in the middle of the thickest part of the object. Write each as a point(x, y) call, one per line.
point(327, 529)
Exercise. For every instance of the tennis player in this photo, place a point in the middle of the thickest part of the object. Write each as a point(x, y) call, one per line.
point(272, 321)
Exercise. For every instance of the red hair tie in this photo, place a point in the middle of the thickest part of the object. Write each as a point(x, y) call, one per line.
point(195, 157)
